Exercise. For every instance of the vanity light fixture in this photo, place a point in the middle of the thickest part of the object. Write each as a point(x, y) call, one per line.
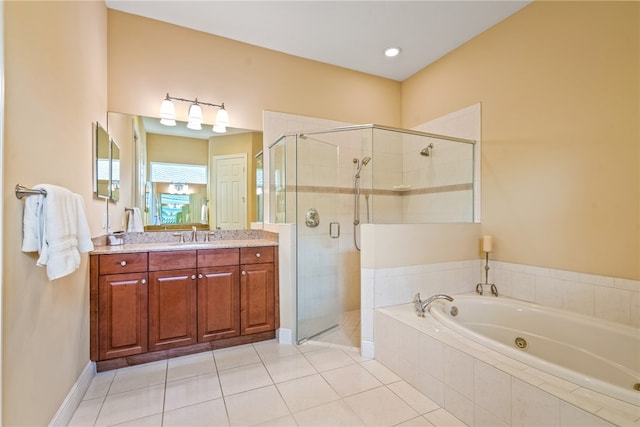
point(168, 114)
point(178, 188)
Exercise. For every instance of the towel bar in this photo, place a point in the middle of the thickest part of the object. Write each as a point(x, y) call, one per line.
point(22, 191)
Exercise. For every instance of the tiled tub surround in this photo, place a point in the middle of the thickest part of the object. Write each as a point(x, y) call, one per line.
point(482, 387)
point(385, 287)
point(606, 359)
point(609, 298)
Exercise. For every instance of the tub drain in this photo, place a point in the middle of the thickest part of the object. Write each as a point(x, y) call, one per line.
point(521, 343)
point(636, 386)
point(454, 311)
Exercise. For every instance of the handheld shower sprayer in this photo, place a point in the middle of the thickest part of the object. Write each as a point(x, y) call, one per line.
point(360, 164)
point(356, 204)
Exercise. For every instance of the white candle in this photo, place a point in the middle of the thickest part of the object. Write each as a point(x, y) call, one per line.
point(487, 243)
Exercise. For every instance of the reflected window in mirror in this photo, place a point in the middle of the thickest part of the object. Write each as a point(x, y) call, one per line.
point(177, 194)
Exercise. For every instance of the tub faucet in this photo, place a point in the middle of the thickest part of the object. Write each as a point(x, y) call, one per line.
point(421, 306)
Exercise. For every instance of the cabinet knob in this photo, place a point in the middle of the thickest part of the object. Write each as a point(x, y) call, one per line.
point(244, 273)
point(123, 263)
point(143, 281)
point(193, 277)
point(257, 254)
point(199, 276)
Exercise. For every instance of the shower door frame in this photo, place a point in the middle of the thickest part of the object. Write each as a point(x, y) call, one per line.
point(317, 292)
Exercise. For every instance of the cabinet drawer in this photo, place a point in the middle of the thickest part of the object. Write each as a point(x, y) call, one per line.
point(171, 260)
point(260, 254)
point(123, 263)
point(218, 257)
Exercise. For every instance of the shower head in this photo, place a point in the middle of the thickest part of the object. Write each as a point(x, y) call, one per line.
point(426, 151)
point(359, 164)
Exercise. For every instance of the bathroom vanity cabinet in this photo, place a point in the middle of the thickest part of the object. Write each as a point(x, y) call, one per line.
point(156, 304)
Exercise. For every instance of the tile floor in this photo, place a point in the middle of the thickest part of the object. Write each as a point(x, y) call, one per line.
point(259, 384)
point(346, 334)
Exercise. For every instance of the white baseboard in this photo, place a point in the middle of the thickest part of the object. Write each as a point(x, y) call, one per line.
point(367, 348)
point(284, 336)
point(74, 397)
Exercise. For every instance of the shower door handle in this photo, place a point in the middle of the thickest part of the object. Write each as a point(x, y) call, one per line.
point(334, 230)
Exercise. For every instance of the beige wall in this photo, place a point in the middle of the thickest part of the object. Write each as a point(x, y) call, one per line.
point(559, 88)
point(176, 149)
point(55, 65)
point(149, 58)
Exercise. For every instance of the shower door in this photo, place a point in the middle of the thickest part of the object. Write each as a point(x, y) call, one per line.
point(318, 233)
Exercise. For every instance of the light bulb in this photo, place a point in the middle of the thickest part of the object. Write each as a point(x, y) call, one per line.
point(392, 52)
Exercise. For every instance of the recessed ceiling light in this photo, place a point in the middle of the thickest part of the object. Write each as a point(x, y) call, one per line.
point(392, 52)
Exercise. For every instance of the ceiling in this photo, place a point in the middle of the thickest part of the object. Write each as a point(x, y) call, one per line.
point(349, 34)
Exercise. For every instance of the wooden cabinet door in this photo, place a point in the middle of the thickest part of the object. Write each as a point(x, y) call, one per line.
point(218, 303)
point(257, 298)
point(172, 308)
point(122, 318)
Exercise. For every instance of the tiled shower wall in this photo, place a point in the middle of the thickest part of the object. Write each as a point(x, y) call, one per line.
point(464, 123)
point(409, 188)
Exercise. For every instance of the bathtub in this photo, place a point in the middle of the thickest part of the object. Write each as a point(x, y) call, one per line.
point(595, 354)
point(484, 382)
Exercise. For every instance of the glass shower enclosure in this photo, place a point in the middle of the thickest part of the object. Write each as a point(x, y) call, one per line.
point(330, 182)
point(302, 167)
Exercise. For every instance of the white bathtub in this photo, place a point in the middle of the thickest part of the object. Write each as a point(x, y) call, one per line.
point(596, 354)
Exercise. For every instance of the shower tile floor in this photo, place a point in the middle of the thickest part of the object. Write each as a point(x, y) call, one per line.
point(265, 383)
point(345, 335)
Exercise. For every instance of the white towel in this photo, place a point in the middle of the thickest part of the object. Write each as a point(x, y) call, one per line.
point(56, 227)
point(135, 221)
point(204, 214)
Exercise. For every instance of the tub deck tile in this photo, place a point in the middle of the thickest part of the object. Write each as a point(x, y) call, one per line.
point(580, 401)
point(559, 393)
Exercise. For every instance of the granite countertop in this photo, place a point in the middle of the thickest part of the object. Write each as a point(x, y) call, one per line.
point(166, 241)
point(176, 246)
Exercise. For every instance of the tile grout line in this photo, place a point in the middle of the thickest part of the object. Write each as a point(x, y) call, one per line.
point(224, 401)
point(104, 398)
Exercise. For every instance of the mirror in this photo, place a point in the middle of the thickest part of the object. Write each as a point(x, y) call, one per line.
point(185, 178)
point(102, 163)
point(114, 172)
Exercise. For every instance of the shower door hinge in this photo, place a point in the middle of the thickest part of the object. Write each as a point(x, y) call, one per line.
point(334, 230)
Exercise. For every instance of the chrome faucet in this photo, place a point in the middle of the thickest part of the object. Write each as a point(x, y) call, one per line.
point(194, 235)
point(421, 306)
